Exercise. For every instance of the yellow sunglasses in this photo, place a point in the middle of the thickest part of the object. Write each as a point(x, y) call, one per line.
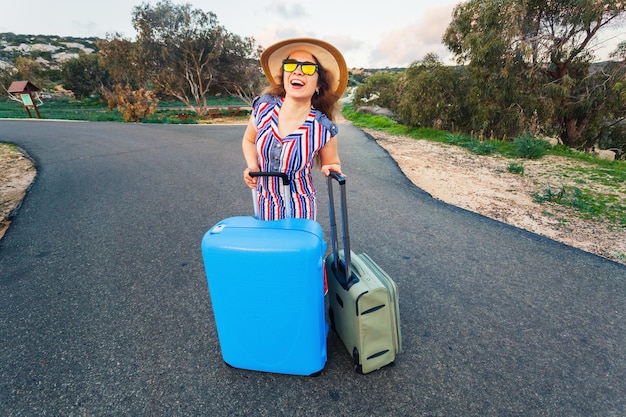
point(308, 68)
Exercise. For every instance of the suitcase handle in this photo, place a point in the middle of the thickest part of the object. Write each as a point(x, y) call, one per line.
point(286, 187)
point(338, 177)
point(282, 175)
point(349, 280)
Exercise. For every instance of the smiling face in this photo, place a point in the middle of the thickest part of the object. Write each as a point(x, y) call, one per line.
point(296, 83)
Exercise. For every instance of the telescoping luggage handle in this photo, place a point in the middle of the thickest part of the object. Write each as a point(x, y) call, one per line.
point(345, 234)
point(286, 188)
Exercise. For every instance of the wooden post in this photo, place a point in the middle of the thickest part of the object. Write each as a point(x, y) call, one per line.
point(25, 90)
point(27, 100)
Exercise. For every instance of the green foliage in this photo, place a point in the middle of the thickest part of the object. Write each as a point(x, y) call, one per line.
point(587, 203)
point(388, 125)
point(29, 69)
point(170, 117)
point(517, 79)
point(562, 150)
point(7, 76)
point(380, 89)
point(120, 58)
point(371, 121)
point(63, 109)
point(507, 44)
point(54, 75)
point(610, 173)
point(516, 168)
point(188, 55)
point(550, 195)
point(46, 74)
point(483, 148)
point(93, 109)
point(529, 147)
point(435, 135)
point(475, 144)
point(431, 95)
point(83, 75)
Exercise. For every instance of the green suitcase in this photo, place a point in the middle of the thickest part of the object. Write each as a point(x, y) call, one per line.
point(363, 308)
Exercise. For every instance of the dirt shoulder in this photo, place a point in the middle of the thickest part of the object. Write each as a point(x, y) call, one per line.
point(16, 174)
point(481, 184)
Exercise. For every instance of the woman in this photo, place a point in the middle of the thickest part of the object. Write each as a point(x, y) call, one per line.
point(292, 124)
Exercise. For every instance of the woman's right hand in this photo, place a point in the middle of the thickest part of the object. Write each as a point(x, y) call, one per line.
point(250, 181)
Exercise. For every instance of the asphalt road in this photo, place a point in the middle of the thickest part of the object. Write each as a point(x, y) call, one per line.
point(105, 309)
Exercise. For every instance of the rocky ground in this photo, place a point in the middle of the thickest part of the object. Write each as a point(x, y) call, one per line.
point(16, 174)
point(484, 185)
point(481, 184)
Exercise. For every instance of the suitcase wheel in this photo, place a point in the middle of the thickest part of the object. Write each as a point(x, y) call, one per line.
point(358, 368)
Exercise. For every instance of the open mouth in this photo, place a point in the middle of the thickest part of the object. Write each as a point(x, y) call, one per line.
point(297, 83)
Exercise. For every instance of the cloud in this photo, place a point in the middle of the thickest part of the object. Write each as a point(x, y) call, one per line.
point(345, 43)
point(351, 47)
point(278, 30)
point(411, 43)
point(373, 45)
point(288, 10)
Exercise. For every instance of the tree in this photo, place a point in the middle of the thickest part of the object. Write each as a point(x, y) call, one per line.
point(7, 76)
point(29, 69)
point(612, 134)
point(544, 48)
point(247, 81)
point(185, 52)
point(432, 95)
point(121, 59)
point(83, 76)
point(380, 89)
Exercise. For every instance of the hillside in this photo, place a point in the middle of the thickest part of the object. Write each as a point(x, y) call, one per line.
point(49, 51)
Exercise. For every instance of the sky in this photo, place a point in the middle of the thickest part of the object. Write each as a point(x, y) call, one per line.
point(392, 33)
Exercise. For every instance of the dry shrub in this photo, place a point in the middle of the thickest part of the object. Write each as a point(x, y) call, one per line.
point(135, 105)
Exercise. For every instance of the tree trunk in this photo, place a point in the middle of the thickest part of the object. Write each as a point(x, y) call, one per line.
point(572, 132)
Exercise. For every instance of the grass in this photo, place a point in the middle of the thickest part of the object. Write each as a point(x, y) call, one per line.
point(385, 124)
point(92, 110)
point(600, 196)
point(516, 168)
point(11, 147)
point(589, 204)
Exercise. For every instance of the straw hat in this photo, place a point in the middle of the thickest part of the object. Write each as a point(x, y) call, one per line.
point(327, 55)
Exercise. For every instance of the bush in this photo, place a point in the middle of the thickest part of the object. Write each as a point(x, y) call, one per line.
point(529, 147)
point(614, 138)
point(378, 90)
point(473, 144)
point(135, 105)
point(430, 95)
point(479, 147)
point(516, 168)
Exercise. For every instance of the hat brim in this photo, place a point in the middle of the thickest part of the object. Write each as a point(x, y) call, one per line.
point(327, 55)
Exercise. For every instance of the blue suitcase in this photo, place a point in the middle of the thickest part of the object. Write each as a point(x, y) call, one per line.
point(266, 285)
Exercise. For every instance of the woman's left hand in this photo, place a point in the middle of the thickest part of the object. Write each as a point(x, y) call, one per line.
point(331, 167)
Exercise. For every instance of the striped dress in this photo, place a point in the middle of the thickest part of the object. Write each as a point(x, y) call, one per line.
point(293, 155)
